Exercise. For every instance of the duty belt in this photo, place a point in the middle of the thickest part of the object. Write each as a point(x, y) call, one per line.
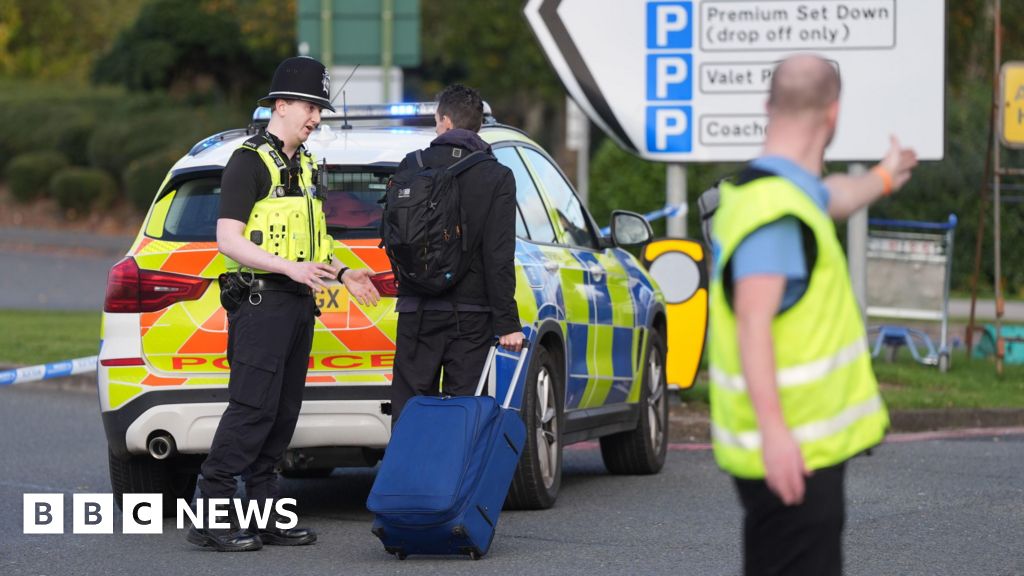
point(278, 283)
point(236, 286)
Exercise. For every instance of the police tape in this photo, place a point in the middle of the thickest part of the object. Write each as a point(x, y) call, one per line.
point(669, 211)
point(47, 371)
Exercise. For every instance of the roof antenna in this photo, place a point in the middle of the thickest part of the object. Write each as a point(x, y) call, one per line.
point(344, 113)
point(344, 104)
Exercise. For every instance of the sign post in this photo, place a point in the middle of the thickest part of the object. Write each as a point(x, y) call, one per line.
point(675, 195)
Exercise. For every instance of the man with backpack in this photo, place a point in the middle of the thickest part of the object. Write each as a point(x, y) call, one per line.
point(449, 230)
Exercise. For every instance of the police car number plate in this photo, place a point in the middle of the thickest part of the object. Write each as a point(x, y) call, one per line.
point(333, 298)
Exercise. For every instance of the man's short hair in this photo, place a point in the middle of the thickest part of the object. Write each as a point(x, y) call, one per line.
point(463, 105)
point(803, 83)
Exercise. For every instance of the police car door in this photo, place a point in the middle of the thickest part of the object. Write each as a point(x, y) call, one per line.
point(604, 337)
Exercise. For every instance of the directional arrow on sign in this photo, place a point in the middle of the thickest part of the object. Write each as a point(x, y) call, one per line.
point(599, 48)
point(566, 57)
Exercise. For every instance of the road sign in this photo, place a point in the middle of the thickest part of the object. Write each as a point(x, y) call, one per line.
point(1013, 109)
point(687, 80)
point(356, 31)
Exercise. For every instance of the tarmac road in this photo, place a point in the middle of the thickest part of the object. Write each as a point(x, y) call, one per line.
point(940, 506)
point(54, 270)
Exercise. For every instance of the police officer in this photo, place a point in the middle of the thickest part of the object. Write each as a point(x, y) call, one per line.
point(273, 234)
point(793, 395)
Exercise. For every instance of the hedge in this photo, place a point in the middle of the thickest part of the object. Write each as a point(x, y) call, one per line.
point(78, 190)
point(29, 174)
point(143, 177)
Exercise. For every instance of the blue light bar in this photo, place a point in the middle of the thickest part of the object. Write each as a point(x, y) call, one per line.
point(399, 110)
point(215, 140)
point(403, 109)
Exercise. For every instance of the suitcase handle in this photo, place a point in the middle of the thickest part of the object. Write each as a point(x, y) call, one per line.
point(515, 375)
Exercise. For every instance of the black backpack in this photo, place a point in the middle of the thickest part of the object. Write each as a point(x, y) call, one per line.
point(423, 227)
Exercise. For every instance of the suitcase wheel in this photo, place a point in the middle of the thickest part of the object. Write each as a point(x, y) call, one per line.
point(474, 555)
point(400, 553)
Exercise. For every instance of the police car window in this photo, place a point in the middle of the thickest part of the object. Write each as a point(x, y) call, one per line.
point(536, 225)
point(521, 231)
point(566, 205)
point(352, 207)
point(192, 215)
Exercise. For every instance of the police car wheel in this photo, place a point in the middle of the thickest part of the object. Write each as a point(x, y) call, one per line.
point(539, 474)
point(642, 450)
point(143, 474)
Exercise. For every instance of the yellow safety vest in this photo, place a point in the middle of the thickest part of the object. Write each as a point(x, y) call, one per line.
point(826, 385)
point(292, 227)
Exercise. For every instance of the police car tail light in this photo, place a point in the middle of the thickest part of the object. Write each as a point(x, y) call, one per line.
point(122, 362)
point(384, 282)
point(132, 290)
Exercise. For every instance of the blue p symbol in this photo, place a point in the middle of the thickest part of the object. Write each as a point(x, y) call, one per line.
point(669, 77)
point(669, 25)
point(668, 129)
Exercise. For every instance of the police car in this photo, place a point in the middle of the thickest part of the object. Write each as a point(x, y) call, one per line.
point(595, 318)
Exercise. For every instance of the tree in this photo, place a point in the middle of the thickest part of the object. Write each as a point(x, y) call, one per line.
point(268, 28)
point(184, 48)
point(969, 39)
point(58, 38)
point(488, 45)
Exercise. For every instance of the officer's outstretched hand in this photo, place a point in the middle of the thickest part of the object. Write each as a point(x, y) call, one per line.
point(899, 162)
point(311, 274)
point(359, 286)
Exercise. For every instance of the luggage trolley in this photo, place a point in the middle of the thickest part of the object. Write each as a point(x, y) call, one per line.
point(909, 265)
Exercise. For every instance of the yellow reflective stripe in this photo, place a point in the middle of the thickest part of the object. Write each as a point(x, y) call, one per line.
point(638, 359)
point(118, 394)
point(158, 215)
point(604, 336)
point(806, 433)
point(796, 375)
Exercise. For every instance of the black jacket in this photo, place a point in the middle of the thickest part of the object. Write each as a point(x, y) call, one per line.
point(489, 202)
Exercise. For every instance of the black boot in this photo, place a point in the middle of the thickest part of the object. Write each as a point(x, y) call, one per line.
point(274, 536)
point(231, 539)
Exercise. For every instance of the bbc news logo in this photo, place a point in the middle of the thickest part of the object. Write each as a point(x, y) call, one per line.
point(143, 513)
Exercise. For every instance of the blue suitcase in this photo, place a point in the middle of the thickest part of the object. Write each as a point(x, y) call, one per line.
point(446, 472)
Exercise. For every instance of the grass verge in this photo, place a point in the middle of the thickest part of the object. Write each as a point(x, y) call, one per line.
point(907, 385)
point(29, 337)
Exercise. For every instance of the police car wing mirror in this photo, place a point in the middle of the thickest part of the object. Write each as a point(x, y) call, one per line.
point(630, 229)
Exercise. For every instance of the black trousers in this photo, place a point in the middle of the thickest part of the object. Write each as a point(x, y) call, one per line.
point(268, 349)
point(456, 343)
point(794, 540)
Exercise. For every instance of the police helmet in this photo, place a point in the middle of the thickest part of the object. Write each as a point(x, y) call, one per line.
point(300, 78)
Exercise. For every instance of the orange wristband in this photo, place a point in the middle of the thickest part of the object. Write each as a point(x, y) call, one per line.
point(886, 179)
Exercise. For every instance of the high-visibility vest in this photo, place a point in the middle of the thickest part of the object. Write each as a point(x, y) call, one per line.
point(827, 389)
point(292, 227)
